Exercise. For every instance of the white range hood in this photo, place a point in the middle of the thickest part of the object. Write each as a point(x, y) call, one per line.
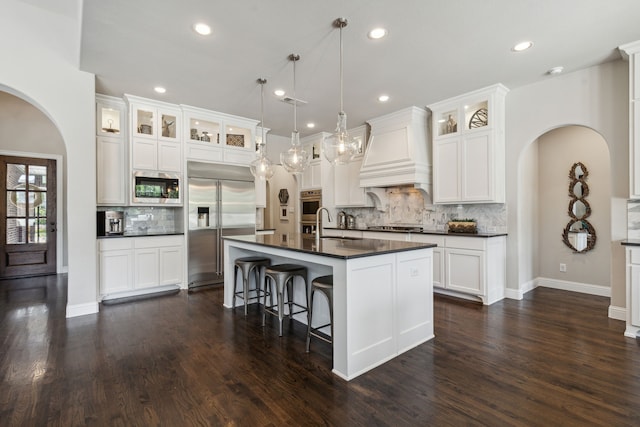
point(399, 151)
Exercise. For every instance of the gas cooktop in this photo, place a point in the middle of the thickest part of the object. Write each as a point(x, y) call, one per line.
point(415, 228)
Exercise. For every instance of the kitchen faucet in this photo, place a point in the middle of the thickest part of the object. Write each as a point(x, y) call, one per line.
point(318, 218)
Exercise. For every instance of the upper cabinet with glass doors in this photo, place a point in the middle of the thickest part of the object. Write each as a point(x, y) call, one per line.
point(218, 137)
point(469, 147)
point(156, 135)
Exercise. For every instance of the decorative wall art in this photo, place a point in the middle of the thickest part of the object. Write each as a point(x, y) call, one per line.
point(579, 234)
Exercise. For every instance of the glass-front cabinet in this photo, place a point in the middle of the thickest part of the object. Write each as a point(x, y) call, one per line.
point(218, 137)
point(153, 122)
point(111, 151)
point(469, 147)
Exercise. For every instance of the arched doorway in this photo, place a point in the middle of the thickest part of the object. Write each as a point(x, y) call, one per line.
point(32, 211)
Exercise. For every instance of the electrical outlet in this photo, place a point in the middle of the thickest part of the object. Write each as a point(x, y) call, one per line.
point(563, 268)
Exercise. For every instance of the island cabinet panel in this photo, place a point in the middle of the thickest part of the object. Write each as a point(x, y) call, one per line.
point(372, 283)
point(382, 296)
point(413, 319)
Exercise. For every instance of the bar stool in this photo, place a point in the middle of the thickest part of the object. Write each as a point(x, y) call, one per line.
point(283, 276)
point(248, 265)
point(322, 284)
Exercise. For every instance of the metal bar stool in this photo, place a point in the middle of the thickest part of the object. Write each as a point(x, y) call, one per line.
point(282, 275)
point(322, 284)
point(248, 265)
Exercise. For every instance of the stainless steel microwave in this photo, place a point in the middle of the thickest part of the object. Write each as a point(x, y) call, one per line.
point(156, 188)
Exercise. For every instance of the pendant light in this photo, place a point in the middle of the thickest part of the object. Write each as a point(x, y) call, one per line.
point(261, 167)
point(296, 159)
point(340, 148)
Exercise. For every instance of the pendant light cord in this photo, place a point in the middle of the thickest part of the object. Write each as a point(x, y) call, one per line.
point(295, 103)
point(262, 141)
point(341, 75)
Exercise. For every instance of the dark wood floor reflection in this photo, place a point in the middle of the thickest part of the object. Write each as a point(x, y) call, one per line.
point(553, 359)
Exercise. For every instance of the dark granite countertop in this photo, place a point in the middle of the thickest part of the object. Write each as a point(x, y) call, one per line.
point(119, 236)
point(436, 233)
point(630, 242)
point(334, 247)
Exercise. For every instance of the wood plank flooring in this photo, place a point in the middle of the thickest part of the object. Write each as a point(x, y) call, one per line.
point(552, 359)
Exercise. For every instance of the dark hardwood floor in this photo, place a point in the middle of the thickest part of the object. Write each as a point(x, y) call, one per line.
point(552, 359)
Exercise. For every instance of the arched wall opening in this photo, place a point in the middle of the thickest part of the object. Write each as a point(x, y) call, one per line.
point(544, 167)
point(28, 132)
point(595, 98)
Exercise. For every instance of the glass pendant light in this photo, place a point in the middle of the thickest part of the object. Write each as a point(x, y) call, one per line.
point(296, 159)
point(340, 148)
point(261, 167)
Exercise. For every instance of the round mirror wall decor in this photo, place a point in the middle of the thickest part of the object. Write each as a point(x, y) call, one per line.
point(579, 234)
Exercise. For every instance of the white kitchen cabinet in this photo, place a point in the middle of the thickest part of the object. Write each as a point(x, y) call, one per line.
point(633, 291)
point(464, 271)
point(631, 52)
point(110, 170)
point(347, 190)
point(217, 137)
point(146, 262)
point(469, 147)
point(116, 265)
point(171, 265)
point(154, 120)
point(311, 177)
point(111, 149)
point(468, 266)
point(137, 265)
point(156, 135)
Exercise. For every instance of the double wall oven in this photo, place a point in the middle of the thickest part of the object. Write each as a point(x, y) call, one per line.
point(310, 201)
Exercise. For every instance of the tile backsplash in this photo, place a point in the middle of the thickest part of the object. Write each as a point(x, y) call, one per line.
point(633, 219)
point(406, 206)
point(151, 219)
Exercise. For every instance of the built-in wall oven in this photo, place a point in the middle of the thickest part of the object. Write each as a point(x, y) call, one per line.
point(310, 202)
point(152, 188)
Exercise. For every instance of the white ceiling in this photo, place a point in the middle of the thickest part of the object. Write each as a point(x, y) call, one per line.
point(434, 50)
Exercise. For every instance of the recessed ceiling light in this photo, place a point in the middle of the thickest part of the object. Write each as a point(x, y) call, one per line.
point(377, 33)
point(522, 46)
point(202, 29)
point(383, 98)
point(279, 92)
point(556, 70)
point(311, 125)
point(159, 89)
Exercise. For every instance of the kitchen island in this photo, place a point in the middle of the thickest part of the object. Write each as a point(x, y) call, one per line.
point(382, 296)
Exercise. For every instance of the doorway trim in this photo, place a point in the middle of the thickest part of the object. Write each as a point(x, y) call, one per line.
point(60, 213)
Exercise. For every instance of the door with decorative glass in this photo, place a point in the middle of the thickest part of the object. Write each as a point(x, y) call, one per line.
point(28, 217)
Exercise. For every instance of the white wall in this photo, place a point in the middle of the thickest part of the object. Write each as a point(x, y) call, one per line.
point(39, 64)
point(597, 98)
point(529, 244)
point(559, 149)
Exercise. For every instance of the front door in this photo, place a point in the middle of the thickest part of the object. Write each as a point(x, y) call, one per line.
point(27, 217)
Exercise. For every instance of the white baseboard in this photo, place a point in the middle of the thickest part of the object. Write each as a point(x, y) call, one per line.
point(618, 313)
point(518, 294)
point(82, 309)
point(584, 288)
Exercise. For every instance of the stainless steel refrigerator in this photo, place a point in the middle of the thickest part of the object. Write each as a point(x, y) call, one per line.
point(222, 202)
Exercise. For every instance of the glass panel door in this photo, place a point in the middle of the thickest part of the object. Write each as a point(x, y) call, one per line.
point(28, 217)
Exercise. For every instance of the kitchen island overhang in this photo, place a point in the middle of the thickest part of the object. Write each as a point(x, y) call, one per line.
point(382, 297)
